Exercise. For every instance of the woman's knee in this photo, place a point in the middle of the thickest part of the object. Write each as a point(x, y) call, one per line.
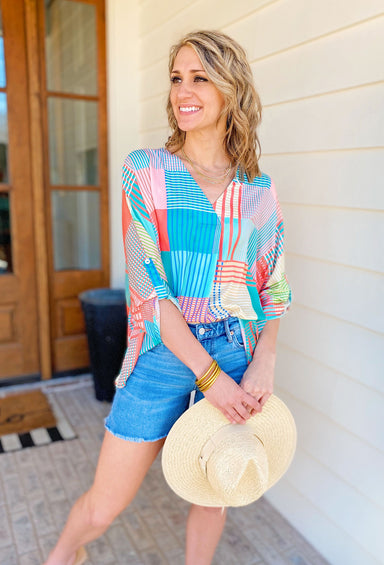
point(99, 512)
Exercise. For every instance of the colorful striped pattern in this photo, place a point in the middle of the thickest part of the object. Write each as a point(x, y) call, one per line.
point(211, 261)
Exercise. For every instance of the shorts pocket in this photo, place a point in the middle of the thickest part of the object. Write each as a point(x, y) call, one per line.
point(237, 338)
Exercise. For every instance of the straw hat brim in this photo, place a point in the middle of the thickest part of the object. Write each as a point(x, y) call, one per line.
point(274, 426)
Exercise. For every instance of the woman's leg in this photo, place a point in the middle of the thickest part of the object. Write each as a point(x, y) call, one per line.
point(204, 528)
point(120, 471)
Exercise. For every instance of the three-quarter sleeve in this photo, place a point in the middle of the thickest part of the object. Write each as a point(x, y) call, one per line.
point(274, 289)
point(145, 279)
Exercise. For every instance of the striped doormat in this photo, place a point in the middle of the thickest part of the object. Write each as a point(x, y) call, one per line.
point(31, 419)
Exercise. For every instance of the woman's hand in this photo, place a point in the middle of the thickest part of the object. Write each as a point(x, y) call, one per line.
point(258, 378)
point(259, 375)
point(232, 400)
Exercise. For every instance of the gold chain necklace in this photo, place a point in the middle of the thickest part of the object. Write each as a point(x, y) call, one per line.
point(213, 180)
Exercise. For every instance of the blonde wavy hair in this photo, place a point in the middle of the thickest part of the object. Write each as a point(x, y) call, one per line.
point(226, 65)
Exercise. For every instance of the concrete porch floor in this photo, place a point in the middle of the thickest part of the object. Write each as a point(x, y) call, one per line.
point(38, 486)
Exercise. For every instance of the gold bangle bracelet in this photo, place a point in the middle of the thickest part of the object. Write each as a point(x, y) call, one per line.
point(208, 385)
point(207, 373)
point(209, 382)
point(206, 377)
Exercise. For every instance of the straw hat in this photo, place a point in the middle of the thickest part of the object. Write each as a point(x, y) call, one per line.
point(209, 462)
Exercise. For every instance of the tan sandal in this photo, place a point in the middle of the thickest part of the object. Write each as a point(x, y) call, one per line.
point(81, 556)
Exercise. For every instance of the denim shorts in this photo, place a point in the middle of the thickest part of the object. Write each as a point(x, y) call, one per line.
point(159, 389)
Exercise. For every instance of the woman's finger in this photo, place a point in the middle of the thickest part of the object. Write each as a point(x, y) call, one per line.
point(264, 398)
point(237, 418)
point(232, 415)
point(251, 401)
point(248, 408)
point(243, 410)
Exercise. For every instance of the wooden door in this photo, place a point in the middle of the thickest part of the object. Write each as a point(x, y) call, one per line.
point(73, 96)
point(63, 204)
point(19, 353)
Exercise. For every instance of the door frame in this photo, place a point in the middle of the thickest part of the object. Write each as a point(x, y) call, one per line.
point(20, 354)
point(51, 300)
point(58, 305)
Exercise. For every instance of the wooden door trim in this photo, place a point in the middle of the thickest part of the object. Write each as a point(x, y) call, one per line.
point(39, 198)
point(68, 351)
point(20, 351)
point(45, 171)
point(88, 187)
point(103, 138)
point(74, 96)
point(86, 1)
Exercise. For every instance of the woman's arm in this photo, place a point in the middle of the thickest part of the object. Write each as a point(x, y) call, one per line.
point(232, 400)
point(274, 294)
point(258, 378)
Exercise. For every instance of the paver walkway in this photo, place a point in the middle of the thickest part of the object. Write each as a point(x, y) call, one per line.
point(38, 486)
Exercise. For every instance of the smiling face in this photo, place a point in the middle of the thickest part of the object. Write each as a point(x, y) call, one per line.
point(196, 102)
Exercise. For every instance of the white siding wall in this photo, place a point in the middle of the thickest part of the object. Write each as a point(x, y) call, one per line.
point(319, 67)
point(122, 27)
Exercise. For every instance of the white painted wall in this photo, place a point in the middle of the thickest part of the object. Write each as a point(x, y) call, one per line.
point(123, 47)
point(319, 67)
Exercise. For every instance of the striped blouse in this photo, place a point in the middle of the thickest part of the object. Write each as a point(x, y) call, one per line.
point(211, 260)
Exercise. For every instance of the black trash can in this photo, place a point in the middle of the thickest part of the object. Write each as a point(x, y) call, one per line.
point(106, 323)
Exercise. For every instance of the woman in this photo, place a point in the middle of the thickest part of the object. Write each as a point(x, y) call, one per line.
point(203, 238)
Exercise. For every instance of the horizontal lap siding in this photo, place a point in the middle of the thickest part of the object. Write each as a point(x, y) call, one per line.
point(319, 69)
point(300, 72)
point(156, 16)
point(342, 120)
point(335, 397)
point(286, 24)
point(349, 237)
point(325, 430)
point(323, 488)
point(303, 513)
point(343, 178)
point(348, 348)
point(331, 287)
point(123, 53)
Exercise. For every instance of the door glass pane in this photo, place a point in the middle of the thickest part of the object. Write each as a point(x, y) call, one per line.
point(5, 235)
point(76, 234)
point(70, 46)
point(2, 60)
point(73, 154)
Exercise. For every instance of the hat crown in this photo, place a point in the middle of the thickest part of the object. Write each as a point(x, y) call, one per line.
point(235, 463)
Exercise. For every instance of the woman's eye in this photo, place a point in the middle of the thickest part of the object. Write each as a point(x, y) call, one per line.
point(177, 79)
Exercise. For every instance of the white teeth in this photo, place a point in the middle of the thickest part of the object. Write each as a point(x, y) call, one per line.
point(189, 109)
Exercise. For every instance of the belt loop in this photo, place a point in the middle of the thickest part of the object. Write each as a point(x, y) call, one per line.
point(227, 330)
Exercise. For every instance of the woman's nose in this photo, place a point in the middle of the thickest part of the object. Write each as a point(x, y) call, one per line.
point(184, 89)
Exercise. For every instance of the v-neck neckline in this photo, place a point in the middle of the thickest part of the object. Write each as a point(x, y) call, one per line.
point(221, 195)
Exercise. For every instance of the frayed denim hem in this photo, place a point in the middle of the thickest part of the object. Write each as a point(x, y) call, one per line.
point(134, 439)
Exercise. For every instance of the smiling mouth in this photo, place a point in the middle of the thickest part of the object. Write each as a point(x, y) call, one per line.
point(189, 109)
